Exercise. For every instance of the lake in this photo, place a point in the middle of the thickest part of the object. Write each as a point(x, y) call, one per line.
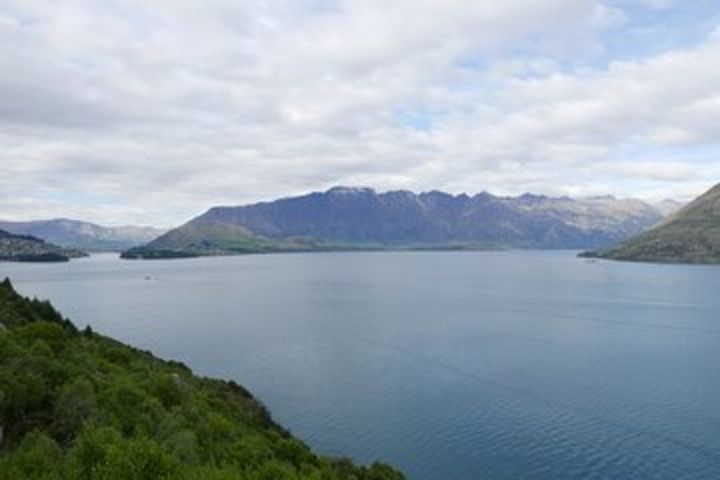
point(449, 365)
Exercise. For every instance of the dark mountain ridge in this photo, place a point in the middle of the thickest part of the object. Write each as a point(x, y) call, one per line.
point(356, 218)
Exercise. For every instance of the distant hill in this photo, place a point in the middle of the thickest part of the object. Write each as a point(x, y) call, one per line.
point(347, 218)
point(84, 235)
point(26, 248)
point(691, 235)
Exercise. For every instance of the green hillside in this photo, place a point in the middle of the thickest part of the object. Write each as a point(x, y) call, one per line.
point(211, 238)
point(692, 235)
point(77, 405)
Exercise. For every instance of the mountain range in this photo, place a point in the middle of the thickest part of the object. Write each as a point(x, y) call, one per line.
point(691, 235)
point(346, 218)
point(84, 235)
point(26, 248)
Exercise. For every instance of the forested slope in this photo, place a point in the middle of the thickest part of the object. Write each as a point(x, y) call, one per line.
point(78, 405)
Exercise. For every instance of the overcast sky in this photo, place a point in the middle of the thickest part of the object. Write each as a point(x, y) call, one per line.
point(152, 111)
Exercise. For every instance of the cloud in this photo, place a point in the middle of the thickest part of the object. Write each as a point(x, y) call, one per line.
point(657, 4)
point(150, 112)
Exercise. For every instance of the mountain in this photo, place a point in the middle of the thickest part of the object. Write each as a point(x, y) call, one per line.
point(84, 235)
point(691, 235)
point(26, 248)
point(359, 218)
point(78, 405)
point(668, 206)
point(209, 237)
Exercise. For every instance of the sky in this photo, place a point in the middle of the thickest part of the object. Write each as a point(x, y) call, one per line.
point(152, 111)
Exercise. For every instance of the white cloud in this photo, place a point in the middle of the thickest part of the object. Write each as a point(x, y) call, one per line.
point(128, 111)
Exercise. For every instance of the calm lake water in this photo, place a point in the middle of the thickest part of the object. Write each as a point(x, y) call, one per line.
point(452, 366)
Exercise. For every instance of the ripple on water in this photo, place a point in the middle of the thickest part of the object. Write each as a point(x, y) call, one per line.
point(462, 366)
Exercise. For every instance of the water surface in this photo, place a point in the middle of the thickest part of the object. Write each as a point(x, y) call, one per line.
point(450, 365)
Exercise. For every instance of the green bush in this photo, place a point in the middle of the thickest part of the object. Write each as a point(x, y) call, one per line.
point(77, 405)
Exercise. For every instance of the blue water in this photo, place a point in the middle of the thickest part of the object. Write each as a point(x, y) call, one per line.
point(452, 366)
